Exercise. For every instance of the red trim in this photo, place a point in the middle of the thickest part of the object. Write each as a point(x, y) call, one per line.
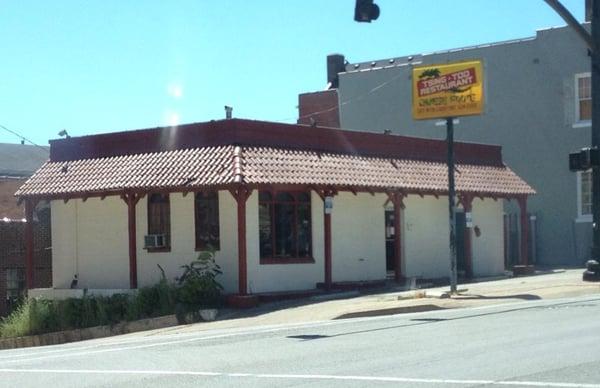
point(241, 196)
point(29, 206)
point(153, 250)
point(268, 134)
point(131, 199)
point(327, 227)
point(327, 240)
point(292, 260)
point(524, 229)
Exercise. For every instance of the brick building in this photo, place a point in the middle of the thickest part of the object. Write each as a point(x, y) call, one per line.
point(17, 163)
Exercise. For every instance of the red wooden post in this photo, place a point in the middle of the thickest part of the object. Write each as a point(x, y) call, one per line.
point(327, 240)
point(131, 199)
point(467, 202)
point(328, 277)
point(29, 206)
point(131, 218)
point(241, 196)
point(524, 229)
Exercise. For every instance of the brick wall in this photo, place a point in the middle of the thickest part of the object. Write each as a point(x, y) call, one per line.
point(320, 108)
point(12, 252)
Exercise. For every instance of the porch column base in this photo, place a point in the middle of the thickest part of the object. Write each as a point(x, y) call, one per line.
point(242, 301)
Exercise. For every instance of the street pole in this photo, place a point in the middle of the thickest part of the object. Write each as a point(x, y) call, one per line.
point(595, 133)
point(451, 204)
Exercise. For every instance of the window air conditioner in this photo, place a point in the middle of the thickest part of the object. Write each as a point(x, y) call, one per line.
point(155, 241)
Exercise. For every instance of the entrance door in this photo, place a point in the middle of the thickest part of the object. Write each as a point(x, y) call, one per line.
point(461, 259)
point(390, 234)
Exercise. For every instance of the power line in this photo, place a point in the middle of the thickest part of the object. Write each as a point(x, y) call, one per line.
point(350, 100)
point(24, 138)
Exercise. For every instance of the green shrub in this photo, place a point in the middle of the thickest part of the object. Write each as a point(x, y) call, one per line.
point(35, 316)
point(198, 285)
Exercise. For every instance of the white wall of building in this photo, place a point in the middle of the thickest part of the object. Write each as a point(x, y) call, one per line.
point(183, 241)
point(488, 248)
point(64, 235)
point(283, 277)
point(358, 237)
point(426, 237)
point(90, 239)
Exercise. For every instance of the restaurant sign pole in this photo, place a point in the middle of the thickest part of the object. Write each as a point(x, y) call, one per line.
point(446, 91)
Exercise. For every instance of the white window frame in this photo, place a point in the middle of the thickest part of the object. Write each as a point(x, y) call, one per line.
point(580, 123)
point(581, 217)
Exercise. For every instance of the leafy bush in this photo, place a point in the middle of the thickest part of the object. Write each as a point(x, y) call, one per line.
point(198, 285)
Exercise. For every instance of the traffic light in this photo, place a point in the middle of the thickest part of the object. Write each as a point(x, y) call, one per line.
point(365, 11)
point(584, 159)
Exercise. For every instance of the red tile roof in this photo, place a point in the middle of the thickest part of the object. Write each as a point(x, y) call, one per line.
point(221, 166)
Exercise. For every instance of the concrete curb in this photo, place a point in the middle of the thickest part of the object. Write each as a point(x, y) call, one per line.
point(61, 337)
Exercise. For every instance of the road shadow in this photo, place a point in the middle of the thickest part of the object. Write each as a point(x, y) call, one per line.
point(391, 311)
point(483, 297)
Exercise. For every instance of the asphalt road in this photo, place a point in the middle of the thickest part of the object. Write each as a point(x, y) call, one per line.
point(531, 344)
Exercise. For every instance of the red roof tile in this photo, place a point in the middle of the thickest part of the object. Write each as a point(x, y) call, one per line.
point(228, 165)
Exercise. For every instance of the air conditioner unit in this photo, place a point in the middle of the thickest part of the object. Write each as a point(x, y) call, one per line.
point(155, 241)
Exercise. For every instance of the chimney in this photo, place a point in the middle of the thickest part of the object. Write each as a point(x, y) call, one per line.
point(588, 10)
point(228, 111)
point(335, 64)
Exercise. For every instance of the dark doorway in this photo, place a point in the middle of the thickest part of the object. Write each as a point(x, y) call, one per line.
point(461, 259)
point(390, 234)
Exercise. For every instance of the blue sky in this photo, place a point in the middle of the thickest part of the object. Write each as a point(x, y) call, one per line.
point(102, 66)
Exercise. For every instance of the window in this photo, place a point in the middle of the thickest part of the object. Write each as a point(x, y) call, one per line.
point(583, 97)
point(285, 227)
point(584, 191)
point(206, 209)
point(159, 221)
point(15, 286)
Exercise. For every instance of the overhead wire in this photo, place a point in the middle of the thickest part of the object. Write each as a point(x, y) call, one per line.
point(348, 101)
point(24, 138)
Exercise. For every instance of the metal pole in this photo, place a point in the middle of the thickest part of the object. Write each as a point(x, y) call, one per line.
point(451, 204)
point(596, 128)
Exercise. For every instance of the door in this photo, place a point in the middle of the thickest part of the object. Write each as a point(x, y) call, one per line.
point(461, 260)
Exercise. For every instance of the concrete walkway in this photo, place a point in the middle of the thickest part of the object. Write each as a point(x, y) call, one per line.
point(550, 284)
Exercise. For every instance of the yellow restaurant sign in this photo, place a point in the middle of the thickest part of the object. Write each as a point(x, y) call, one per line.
point(449, 90)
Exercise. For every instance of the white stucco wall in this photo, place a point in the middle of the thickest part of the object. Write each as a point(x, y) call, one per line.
point(64, 234)
point(183, 241)
point(358, 237)
point(488, 248)
point(426, 237)
point(283, 277)
point(90, 239)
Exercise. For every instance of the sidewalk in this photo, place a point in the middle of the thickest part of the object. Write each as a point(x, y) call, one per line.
point(550, 284)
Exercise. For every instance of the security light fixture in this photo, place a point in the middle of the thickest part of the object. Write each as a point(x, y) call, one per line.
point(63, 133)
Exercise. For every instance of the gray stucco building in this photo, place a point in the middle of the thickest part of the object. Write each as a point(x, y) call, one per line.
point(537, 107)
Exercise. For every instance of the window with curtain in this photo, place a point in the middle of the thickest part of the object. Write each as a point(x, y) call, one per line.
point(206, 214)
point(159, 217)
point(584, 97)
point(285, 225)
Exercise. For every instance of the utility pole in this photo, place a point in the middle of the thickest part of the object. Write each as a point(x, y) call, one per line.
point(593, 266)
point(451, 204)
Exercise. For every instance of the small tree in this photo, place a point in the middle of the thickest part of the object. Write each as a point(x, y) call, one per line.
point(198, 285)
